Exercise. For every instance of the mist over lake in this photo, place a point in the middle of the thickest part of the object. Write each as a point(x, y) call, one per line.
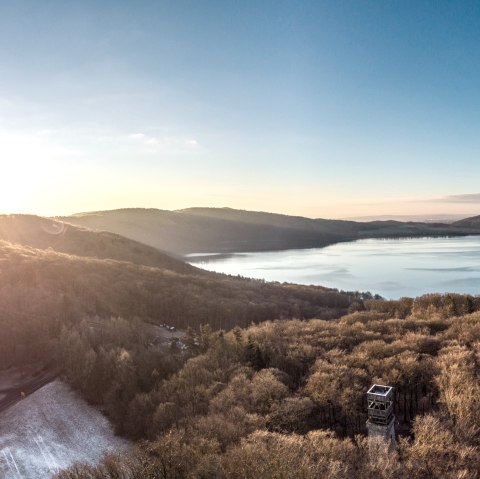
point(390, 267)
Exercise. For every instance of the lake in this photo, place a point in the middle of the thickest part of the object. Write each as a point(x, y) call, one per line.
point(390, 267)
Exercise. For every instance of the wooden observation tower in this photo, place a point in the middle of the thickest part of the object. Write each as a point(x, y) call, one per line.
point(381, 420)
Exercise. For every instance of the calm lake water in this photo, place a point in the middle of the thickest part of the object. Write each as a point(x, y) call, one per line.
point(389, 267)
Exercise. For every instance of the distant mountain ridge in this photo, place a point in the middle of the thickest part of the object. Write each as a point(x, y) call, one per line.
point(225, 230)
point(472, 222)
point(433, 218)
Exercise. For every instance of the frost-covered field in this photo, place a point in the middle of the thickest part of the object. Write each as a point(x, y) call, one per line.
point(50, 430)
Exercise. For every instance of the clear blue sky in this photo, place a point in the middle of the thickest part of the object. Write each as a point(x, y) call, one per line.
point(319, 108)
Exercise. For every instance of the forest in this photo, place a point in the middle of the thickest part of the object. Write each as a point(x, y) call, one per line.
point(42, 290)
point(271, 380)
point(286, 398)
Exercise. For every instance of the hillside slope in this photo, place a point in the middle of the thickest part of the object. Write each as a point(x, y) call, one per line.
point(42, 291)
point(50, 430)
point(217, 230)
point(43, 233)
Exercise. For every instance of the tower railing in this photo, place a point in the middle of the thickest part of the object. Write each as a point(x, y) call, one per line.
point(380, 404)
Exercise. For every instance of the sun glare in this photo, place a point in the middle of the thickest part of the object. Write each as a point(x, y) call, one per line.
point(25, 168)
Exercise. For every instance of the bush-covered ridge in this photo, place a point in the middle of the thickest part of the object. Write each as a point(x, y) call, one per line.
point(286, 399)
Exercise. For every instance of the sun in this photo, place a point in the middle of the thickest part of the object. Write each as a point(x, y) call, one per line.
point(27, 164)
point(15, 190)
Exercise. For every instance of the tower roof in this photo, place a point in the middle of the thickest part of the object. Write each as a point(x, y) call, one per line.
point(379, 392)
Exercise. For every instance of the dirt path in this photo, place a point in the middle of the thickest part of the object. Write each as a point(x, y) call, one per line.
point(10, 396)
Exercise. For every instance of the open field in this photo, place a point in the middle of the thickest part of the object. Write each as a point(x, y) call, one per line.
point(50, 430)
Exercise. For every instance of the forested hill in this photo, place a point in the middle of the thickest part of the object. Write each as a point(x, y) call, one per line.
point(44, 233)
point(471, 223)
point(42, 290)
point(212, 230)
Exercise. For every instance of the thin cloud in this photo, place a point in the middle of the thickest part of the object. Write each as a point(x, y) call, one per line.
point(164, 144)
point(44, 132)
point(137, 136)
point(466, 198)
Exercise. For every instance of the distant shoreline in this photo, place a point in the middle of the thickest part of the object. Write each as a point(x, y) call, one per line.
point(391, 267)
point(205, 256)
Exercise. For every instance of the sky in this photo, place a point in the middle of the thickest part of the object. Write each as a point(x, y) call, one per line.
point(314, 108)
